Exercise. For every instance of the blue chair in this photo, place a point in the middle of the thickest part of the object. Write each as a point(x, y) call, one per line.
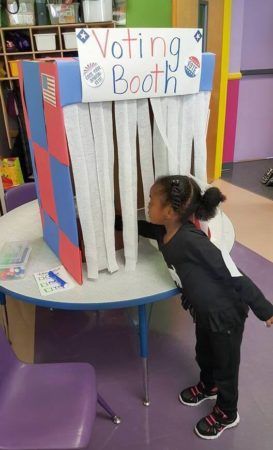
point(46, 406)
point(19, 195)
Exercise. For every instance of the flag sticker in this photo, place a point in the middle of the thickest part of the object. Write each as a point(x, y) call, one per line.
point(49, 91)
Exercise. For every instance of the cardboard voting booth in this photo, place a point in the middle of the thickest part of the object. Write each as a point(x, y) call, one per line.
point(129, 98)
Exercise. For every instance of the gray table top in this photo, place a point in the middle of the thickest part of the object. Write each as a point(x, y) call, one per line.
point(150, 281)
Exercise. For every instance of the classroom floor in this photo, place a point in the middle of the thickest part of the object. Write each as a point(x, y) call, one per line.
point(110, 343)
point(247, 175)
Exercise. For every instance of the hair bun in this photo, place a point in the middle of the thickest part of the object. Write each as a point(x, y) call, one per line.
point(213, 196)
point(209, 202)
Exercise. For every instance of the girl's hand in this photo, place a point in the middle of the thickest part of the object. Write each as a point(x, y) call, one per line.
point(269, 322)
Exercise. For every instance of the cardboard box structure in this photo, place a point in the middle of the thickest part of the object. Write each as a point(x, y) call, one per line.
point(48, 86)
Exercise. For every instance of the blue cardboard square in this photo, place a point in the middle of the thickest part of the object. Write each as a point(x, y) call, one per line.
point(34, 102)
point(51, 233)
point(64, 199)
point(69, 81)
point(34, 168)
point(208, 63)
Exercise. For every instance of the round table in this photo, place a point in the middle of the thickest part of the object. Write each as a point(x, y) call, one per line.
point(150, 282)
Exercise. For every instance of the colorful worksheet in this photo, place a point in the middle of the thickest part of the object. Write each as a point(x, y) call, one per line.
point(50, 284)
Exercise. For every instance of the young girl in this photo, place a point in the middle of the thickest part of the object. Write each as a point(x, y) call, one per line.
point(217, 300)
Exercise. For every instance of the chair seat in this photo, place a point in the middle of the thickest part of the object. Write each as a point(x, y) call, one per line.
point(50, 406)
point(19, 195)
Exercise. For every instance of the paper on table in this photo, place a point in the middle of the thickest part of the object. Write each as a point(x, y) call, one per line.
point(48, 286)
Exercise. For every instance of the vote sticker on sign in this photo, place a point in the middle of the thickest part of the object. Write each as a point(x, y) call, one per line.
point(94, 74)
point(192, 66)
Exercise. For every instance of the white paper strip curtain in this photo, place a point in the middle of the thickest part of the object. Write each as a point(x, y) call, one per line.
point(166, 112)
point(179, 122)
point(173, 136)
point(126, 125)
point(173, 128)
point(82, 154)
point(185, 124)
point(200, 133)
point(101, 119)
point(161, 166)
point(145, 149)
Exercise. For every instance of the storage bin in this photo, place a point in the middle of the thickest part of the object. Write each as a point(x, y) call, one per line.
point(45, 41)
point(97, 10)
point(63, 13)
point(25, 14)
point(13, 65)
point(13, 260)
point(70, 41)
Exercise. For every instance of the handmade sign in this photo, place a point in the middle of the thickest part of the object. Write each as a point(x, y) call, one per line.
point(131, 63)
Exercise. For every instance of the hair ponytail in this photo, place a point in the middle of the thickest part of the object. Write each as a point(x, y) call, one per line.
point(209, 201)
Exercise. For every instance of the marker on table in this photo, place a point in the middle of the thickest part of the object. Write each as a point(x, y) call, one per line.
point(56, 278)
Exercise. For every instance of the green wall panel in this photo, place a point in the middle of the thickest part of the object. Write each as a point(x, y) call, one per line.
point(149, 13)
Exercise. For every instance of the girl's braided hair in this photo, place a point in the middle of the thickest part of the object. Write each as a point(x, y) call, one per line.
point(186, 198)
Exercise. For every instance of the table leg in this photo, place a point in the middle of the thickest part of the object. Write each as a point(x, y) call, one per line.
point(2, 299)
point(3, 306)
point(143, 338)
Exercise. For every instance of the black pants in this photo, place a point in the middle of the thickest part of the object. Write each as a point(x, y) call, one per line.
point(218, 356)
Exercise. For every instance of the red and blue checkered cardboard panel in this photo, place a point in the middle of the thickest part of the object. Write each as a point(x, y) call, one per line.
point(46, 132)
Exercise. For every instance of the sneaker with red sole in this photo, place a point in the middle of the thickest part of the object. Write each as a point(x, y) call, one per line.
point(194, 395)
point(213, 425)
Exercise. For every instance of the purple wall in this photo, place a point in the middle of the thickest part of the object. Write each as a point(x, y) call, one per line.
point(254, 41)
point(236, 37)
point(257, 35)
point(254, 134)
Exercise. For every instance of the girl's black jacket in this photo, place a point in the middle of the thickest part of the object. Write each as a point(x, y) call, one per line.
point(220, 302)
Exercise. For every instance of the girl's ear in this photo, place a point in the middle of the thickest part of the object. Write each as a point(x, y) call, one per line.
point(169, 212)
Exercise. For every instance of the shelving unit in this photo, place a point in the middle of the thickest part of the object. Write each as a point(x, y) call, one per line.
point(33, 53)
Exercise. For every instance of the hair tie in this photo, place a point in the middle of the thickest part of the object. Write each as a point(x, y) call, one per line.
point(175, 182)
point(176, 192)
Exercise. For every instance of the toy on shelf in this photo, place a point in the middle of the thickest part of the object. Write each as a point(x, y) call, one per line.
point(10, 172)
point(61, 13)
point(20, 12)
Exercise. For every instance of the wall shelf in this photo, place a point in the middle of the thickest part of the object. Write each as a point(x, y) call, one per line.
point(63, 25)
point(33, 53)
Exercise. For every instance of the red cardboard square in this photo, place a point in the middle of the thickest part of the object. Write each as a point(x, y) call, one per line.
point(71, 257)
point(45, 181)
